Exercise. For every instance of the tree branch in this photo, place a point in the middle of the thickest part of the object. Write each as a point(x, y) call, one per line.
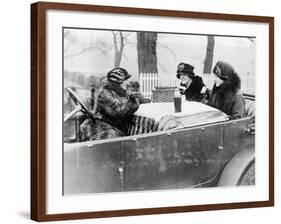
point(167, 48)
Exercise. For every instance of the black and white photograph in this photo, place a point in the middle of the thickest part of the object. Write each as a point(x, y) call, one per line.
point(141, 111)
point(157, 111)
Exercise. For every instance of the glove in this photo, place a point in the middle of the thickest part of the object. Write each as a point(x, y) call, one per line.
point(182, 89)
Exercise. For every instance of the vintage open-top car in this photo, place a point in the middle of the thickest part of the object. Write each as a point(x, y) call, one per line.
point(198, 147)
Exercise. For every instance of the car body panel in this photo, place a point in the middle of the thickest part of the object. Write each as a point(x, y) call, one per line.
point(94, 168)
point(234, 170)
point(150, 163)
point(190, 157)
point(192, 154)
point(236, 137)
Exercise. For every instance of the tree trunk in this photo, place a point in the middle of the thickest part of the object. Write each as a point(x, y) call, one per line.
point(147, 56)
point(118, 47)
point(208, 62)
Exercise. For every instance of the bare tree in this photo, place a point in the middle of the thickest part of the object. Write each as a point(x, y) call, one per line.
point(120, 40)
point(208, 62)
point(98, 45)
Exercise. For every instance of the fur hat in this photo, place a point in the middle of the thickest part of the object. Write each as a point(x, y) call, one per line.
point(223, 70)
point(185, 69)
point(118, 75)
point(227, 73)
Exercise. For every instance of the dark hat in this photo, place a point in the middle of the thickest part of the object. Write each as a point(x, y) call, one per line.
point(223, 70)
point(118, 75)
point(185, 69)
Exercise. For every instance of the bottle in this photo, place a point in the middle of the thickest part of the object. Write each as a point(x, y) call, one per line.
point(177, 100)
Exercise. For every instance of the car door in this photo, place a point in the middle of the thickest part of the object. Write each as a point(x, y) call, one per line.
point(176, 159)
point(199, 155)
point(150, 162)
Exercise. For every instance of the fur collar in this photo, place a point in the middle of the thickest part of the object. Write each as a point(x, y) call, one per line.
point(116, 88)
point(230, 86)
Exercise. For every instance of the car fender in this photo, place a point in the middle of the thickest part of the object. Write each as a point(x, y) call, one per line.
point(236, 167)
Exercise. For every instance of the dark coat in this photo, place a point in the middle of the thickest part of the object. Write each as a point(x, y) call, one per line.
point(228, 99)
point(113, 109)
point(98, 129)
point(192, 93)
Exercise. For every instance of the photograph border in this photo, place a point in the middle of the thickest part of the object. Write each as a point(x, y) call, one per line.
point(38, 109)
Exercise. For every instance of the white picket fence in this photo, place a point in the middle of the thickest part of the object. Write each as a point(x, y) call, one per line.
point(150, 81)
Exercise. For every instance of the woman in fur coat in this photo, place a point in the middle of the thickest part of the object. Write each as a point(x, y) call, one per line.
point(226, 95)
point(113, 108)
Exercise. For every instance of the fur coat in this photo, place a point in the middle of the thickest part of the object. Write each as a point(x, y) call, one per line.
point(192, 93)
point(228, 98)
point(113, 112)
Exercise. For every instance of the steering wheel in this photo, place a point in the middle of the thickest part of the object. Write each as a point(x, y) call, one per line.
point(79, 106)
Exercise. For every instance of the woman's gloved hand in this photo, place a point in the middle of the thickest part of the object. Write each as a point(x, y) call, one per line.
point(182, 89)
